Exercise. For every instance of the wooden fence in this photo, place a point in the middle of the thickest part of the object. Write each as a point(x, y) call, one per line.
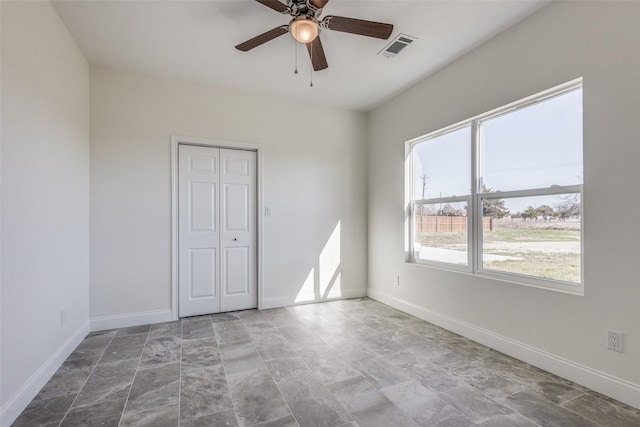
point(433, 223)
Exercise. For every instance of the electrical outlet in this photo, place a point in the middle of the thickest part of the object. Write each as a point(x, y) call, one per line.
point(615, 341)
point(396, 280)
point(63, 317)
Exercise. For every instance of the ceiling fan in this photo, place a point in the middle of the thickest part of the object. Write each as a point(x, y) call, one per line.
point(306, 25)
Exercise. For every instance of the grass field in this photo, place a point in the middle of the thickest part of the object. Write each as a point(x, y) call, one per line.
point(542, 249)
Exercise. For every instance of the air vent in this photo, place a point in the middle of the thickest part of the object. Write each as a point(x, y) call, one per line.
point(396, 45)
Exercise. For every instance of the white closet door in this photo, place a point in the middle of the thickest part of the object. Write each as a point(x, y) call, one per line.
point(238, 230)
point(216, 230)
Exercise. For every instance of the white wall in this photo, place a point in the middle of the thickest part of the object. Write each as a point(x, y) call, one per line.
point(45, 199)
point(314, 178)
point(564, 333)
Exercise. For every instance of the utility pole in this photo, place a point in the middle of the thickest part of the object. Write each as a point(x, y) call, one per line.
point(424, 179)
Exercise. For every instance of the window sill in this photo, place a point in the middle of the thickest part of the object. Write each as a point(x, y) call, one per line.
point(514, 279)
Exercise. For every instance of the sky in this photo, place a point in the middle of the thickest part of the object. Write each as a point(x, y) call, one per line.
point(534, 147)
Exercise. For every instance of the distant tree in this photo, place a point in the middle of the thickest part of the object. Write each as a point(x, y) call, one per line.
point(569, 206)
point(450, 210)
point(546, 212)
point(493, 208)
point(531, 213)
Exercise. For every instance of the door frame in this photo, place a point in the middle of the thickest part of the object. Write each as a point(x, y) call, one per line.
point(206, 142)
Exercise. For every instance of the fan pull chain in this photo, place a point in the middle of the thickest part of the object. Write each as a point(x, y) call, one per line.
point(311, 56)
point(295, 49)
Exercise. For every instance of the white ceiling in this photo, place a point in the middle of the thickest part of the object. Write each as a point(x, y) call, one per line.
point(194, 41)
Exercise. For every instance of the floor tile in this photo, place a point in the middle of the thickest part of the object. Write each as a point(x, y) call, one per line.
point(225, 317)
point(300, 337)
point(203, 391)
point(197, 327)
point(68, 379)
point(311, 402)
point(255, 397)
point(103, 414)
point(221, 419)
point(134, 330)
point(240, 356)
point(125, 347)
point(93, 345)
point(473, 404)
point(415, 343)
point(423, 406)
point(42, 413)
point(510, 420)
point(163, 416)
point(489, 382)
point(161, 350)
point(382, 373)
point(327, 364)
point(167, 329)
point(380, 344)
point(272, 345)
point(603, 412)
point(109, 381)
point(153, 387)
point(434, 378)
point(286, 367)
point(286, 421)
point(367, 404)
point(249, 316)
point(230, 332)
point(544, 412)
point(200, 353)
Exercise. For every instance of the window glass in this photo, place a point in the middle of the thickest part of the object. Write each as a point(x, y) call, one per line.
point(534, 147)
point(442, 166)
point(540, 236)
point(440, 232)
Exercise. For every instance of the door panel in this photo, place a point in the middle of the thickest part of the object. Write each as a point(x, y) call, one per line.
point(237, 267)
point(217, 223)
point(238, 231)
point(203, 272)
point(236, 207)
point(202, 209)
point(198, 230)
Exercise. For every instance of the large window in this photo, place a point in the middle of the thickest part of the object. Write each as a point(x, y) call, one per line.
point(500, 195)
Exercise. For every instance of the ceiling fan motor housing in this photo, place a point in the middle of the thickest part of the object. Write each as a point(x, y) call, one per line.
point(304, 9)
point(306, 25)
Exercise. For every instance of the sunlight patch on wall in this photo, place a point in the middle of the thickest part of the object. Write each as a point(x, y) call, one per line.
point(329, 278)
point(307, 291)
point(327, 283)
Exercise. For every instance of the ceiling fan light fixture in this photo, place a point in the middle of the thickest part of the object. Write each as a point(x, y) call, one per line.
point(304, 30)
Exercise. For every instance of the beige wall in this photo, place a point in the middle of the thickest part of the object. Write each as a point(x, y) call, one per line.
point(313, 178)
point(566, 40)
point(45, 199)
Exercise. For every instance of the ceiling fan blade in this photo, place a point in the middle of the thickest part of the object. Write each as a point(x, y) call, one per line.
point(275, 5)
point(358, 26)
point(316, 53)
point(263, 38)
point(319, 3)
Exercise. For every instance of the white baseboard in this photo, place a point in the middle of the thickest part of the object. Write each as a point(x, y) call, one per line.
point(611, 386)
point(25, 394)
point(132, 319)
point(277, 302)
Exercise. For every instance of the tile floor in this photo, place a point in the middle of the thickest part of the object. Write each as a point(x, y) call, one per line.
point(343, 363)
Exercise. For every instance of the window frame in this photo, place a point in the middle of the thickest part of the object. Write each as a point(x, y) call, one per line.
point(474, 199)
